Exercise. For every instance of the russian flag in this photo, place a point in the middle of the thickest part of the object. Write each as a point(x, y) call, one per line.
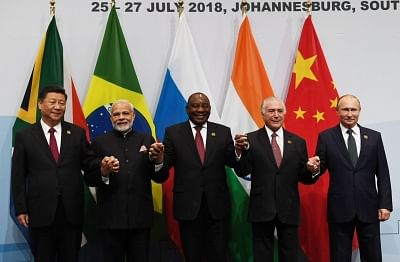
point(184, 76)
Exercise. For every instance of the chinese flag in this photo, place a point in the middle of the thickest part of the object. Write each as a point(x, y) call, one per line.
point(311, 108)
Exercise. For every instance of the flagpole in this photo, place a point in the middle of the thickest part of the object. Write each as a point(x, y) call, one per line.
point(52, 7)
point(244, 6)
point(180, 7)
point(309, 7)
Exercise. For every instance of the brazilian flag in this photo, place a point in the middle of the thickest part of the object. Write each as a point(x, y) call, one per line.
point(115, 78)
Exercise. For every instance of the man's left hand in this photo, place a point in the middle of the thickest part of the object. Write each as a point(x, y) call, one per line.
point(383, 214)
point(156, 153)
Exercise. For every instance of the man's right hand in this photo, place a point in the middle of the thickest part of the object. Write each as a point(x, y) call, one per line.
point(23, 219)
point(109, 164)
point(241, 143)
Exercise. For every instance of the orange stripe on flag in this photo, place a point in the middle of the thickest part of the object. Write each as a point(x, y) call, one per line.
point(249, 75)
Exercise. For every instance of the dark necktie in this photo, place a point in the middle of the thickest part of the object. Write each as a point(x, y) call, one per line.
point(276, 150)
point(53, 144)
point(351, 147)
point(199, 143)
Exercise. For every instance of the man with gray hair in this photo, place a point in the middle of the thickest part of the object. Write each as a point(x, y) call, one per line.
point(124, 198)
point(277, 160)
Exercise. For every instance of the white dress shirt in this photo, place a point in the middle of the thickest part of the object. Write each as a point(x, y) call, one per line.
point(356, 135)
point(279, 137)
point(203, 132)
point(57, 133)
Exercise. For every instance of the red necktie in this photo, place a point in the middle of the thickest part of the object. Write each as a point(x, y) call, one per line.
point(276, 150)
point(199, 143)
point(53, 144)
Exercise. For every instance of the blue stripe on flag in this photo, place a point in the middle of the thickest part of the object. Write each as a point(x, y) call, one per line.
point(14, 247)
point(171, 106)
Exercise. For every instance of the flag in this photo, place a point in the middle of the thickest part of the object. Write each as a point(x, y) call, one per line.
point(311, 107)
point(249, 85)
point(184, 76)
point(49, 69)
point(115, 78)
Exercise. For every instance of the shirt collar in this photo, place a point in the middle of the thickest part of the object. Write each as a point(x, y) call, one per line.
point(46, 127)
point(124, 134)
point(356, 129)
point(192, 125)
point(279, 132)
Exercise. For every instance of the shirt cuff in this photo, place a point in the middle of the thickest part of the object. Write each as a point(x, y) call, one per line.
point(157, 167)
point(105, 179)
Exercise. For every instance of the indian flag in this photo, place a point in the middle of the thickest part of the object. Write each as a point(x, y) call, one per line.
point(249, 85)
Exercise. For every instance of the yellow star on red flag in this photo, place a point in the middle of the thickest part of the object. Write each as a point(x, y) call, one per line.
point(312, 87)
point(299, 113)
point(333, 102)
point(319, 116)
point(302, 68)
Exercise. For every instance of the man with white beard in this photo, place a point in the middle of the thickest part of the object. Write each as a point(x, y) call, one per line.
point(124, 199)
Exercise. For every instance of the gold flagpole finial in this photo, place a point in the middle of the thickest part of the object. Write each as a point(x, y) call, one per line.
point(309, 7)
point(180, 7)
point(112, 3)
point(52, 7)
point(244, 6)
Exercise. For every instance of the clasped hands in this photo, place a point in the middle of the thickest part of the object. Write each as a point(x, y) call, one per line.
point(156, 153)
point(313, 164)
point(242, 143)
point(110, 164)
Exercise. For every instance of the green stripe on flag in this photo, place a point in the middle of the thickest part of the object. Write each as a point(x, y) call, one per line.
point(52, 64)
point(114, 63)
point(241, 243)
point(115, 78)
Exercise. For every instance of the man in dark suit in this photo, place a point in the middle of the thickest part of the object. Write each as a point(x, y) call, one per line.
point(47, 182)
point(276, 160)
point(359, 193)
point(199, 150)
point(124, 199)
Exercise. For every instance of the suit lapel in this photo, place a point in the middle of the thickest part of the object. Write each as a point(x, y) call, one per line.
point(341, 144)
point(210, 142)
point(66, 139)
point(364, 140)
point(264, 140)
point(287, 146)
point(42, 141)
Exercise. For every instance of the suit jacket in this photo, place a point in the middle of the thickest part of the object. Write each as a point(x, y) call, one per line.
point(126, 202)
point(353, 191)
point(38, 181)
point(192, 178)
point(274, 190)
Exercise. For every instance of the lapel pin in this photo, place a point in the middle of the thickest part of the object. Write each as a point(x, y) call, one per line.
point(289, 141)
point(365, 136)
point(213, 134)
point(68, 132)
